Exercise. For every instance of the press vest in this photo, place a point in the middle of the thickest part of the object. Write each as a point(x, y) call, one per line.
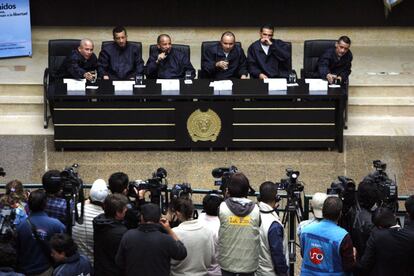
point(266, 267)
point(238, 240)
point(321, 253)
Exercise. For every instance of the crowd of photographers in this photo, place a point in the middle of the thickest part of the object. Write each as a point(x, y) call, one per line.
point(130, 228)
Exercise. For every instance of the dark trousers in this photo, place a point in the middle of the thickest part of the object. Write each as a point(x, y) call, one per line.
point(227, 273)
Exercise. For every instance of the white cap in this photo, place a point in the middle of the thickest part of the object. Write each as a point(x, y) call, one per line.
point(99, 190)
point(317, 204)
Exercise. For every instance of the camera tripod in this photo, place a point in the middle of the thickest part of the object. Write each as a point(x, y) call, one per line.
point(292, 214)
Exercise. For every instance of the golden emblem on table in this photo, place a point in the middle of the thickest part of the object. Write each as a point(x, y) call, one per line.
point(204, 126)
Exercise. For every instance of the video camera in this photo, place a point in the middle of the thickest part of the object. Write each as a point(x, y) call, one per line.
point(156, 185)
point(7, 227)
point(345, 188)
point(387, 188)
point(72, 191)
point(180, 191)
point(291, 183)
point(222, 177)
point(2, 172)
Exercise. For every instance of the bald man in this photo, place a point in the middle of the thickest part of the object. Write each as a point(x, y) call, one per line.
point(81, 63)
point(225, 60)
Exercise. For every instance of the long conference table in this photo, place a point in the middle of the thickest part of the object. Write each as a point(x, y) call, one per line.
point(197, 117)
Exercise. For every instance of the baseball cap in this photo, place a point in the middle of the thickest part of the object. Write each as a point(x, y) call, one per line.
point(317, 203)
point(99, 190)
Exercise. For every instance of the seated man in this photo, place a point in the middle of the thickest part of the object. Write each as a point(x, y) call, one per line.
point(335, 63)
point(168, 62)
point(81, 63)
point(225, 60)
point(120, 60)
point(268, 57)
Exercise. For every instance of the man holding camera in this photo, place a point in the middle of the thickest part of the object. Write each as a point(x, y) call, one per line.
point(239, 234)
point(335, 63)
point(33, 235)
point(390, 249)
point(272, 260)
point(56, 205)
point(149, 249)
point(268, 57)
point(108, 229)
point(327, 248)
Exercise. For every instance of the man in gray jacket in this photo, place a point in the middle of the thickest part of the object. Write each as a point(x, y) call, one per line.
point(239, 238)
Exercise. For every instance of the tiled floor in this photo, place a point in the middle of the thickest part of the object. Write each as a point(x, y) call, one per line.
point(27, 157)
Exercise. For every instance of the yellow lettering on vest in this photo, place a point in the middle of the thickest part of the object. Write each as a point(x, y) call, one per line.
point(242, 221)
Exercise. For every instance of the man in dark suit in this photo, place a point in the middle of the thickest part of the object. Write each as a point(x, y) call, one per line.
point(335, 63)
point(390, 249)
point(120, 60)
point(225, 60)
point(268, 57)
point(168, 62)
point(81, 63)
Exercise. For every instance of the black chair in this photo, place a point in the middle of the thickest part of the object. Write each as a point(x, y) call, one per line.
point(312, 50)
point(139, 44)
point(58, 50)
point(204, 46)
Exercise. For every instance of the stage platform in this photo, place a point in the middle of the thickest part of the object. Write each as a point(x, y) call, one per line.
point(381, 85)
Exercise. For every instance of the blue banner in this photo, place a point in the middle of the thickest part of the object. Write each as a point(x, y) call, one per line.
point(15, 30)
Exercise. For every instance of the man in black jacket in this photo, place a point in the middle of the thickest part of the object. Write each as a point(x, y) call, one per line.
point(225, 60)
point(120, 60)
point(167, 62)
point(335, 63)
point(390, 250)
point(81, 63)
point(148, 250)
point(268, 57)
point(108, 229)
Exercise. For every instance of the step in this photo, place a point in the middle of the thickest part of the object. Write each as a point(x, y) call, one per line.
point(380, 110)
point(21, 109)
point(21, 94)
point(24, 125)
point(380, 126)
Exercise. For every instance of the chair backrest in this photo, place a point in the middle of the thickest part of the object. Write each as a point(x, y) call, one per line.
point(289, 66)
point(180, 47)
point(312, 50)
point(139, 44)
point(58, 50)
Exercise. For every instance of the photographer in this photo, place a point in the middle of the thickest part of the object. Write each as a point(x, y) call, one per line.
point(33, 235)
point(15, 198)
point(239, 238)
point(83, 233)
point(118, 184)
point(56, 204)
point(360, 216)
point(108, 229)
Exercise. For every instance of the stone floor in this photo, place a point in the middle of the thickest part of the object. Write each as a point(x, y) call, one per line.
point(28, 157)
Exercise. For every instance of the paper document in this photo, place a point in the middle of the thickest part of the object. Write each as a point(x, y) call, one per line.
point(123, 86)
point(223, 85)
point(276, 84)
point(317, 84)
point(169, 84)
point(75, 85)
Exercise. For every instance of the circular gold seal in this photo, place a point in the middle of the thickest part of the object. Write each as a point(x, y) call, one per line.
point(203, 126)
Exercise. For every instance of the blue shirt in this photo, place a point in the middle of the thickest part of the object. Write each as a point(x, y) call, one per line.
point(56, 208)
point(31, 256)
